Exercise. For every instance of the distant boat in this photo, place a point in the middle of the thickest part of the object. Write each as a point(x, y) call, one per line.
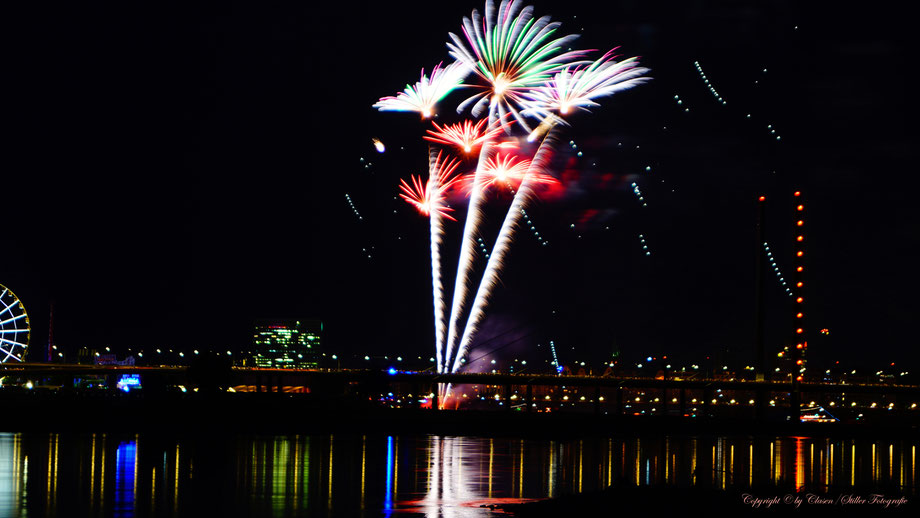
point(816, 414)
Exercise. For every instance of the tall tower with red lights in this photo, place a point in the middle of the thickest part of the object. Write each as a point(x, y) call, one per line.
point(798, 287)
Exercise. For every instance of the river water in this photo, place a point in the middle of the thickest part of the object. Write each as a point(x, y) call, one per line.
point(382, 475)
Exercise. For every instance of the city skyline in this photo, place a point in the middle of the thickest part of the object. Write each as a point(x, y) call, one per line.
point(194, 172)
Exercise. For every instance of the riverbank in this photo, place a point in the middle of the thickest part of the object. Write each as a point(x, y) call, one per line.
point(281, 413)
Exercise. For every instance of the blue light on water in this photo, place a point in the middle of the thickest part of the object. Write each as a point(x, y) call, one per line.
point(392, 371)
point(124, 479)
point(559, 368)
point(388, 498)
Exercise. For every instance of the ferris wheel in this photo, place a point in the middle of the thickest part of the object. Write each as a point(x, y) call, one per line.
point(14, 327)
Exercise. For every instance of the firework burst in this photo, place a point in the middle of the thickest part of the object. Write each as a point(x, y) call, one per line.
point(577, 88)
point(504, 170)
point(465, 136)
point(427, 92)
point(512, 53)
point(428, 197)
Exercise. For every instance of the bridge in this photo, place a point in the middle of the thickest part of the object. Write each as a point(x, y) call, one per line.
point(601, 394)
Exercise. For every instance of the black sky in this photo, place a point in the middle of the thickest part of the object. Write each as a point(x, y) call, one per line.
point(175, 171)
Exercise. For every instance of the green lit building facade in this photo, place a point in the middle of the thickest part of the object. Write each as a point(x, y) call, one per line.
point(286, 344)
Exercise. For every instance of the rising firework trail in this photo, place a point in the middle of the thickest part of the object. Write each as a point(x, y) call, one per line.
point(429, 200)
point(567, 90)
point(511, 53)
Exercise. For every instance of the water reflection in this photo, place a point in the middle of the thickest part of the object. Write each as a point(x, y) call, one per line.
point(125, 478)
point(446, 477)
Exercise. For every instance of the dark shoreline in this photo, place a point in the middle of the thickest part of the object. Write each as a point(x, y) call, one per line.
point(273, 413)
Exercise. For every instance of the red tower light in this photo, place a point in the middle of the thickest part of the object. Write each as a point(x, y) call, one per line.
point(799, 269)
point(799, 315)
point(800, 207)
point(797, 193)
point(800, 253)
point(762, 198)
point(799, 331)
point(798, 284)
point(800, 223)
point(800, 238)
point(799, 300)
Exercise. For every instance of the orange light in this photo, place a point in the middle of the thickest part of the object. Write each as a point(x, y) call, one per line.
point(797, 193)
point(798, 285)
point(800, 253)
point(798, 362)
point(800, 223)
point(762, 198)
point(799, 378)
point(799, 300)
point(798, 346)
point(799, 330)
point(799, 315)
point(799, 269)
point(800, 207)
point(800, 238)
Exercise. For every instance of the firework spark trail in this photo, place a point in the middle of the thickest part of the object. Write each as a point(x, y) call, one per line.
point(467, 248)
point(511, 53)
point(513, 217)
point(435, 169)
point(428, 199)
point(566, 90)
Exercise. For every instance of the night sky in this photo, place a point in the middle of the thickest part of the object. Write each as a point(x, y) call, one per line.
point(175, 171)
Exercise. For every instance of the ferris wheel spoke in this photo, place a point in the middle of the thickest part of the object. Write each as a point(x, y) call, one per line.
point(14, 328)
point(8, 354)
point(12, 342)
point(7, 321)
point(7, 308)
